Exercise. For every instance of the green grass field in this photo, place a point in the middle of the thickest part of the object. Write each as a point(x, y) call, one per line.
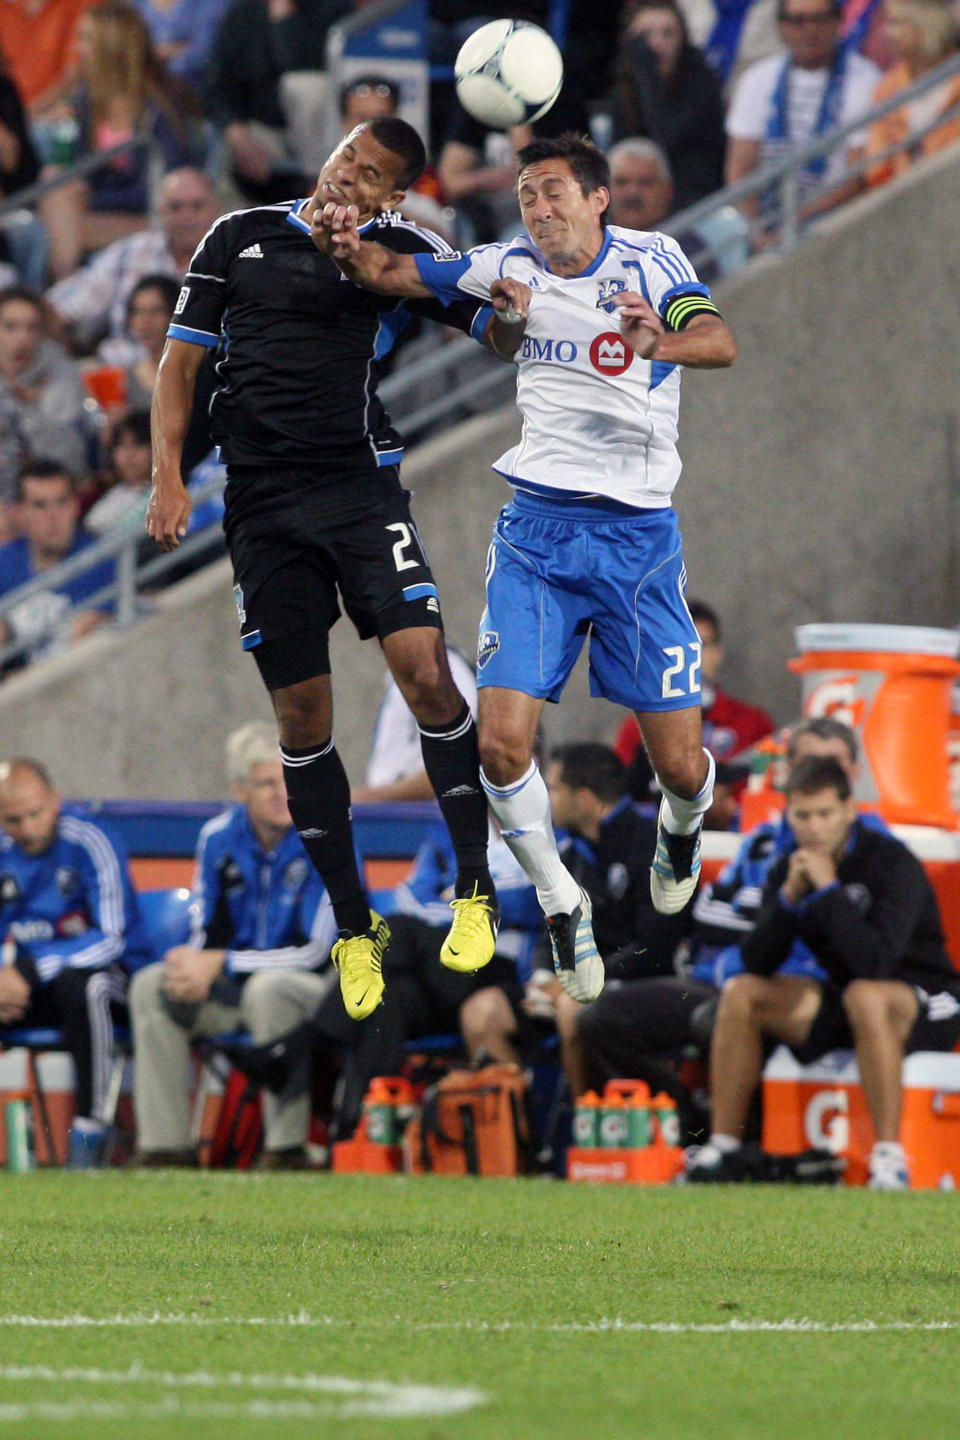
point(219, 1304)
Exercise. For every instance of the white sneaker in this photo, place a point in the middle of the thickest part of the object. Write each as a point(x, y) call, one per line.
point(576, 959)
point(675, 872)
point(888, 1167)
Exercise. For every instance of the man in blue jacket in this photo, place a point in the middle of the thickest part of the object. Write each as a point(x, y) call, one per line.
point(70, 924)
point(258, 955)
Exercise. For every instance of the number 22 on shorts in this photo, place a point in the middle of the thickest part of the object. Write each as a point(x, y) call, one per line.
point(671, 683)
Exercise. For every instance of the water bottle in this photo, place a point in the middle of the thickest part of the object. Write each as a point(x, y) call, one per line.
point(586, 1121)
point(21, 1155)
point(64, 141)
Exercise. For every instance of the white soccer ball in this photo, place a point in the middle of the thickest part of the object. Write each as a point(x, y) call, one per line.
point(508, 73)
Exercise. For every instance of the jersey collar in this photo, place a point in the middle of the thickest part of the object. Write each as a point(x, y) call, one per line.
point(293, 217)
point(595, 263)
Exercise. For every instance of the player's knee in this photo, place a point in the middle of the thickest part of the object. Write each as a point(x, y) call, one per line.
point(864, 1002)
point(145, 990)
point(485, 1017)
point(743, 997)
point(302, 718)
point(682, 768)
point(504, 756)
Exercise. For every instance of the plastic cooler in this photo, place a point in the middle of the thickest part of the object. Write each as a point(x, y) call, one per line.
point(893, 685)
point(822, 1106)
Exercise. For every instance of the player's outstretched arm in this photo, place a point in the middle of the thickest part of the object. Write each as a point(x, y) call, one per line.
point(705, 343)
point(334, 231)
point(168, 509)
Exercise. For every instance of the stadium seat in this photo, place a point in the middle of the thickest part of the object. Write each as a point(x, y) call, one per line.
point(166, 916)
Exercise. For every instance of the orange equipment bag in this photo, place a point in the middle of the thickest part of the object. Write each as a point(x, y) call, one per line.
point(472, 1122)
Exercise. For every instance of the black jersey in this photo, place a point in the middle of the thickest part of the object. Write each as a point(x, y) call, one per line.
point(302, 346)
point(880, 920)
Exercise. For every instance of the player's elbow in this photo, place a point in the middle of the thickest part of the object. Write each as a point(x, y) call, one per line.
point(727, 349)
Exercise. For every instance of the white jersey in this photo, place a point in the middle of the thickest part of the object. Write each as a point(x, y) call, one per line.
point(396, 752)
point(597, 419)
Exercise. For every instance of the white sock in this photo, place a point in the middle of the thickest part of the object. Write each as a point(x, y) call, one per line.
point(523, 812)
point(726, 1144)
point(888, 1149)
point(681, 816)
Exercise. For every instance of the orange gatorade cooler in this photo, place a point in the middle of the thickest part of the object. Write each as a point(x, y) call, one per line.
point(822, 1105)
point(893, 685)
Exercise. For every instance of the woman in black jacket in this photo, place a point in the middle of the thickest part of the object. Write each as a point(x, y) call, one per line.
point(665, 89)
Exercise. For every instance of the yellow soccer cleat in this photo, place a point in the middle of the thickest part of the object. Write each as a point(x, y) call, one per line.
point(359, 958)
point(473, 934)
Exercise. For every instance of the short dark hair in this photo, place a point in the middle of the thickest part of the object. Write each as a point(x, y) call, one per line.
point(700, 610)
point(21, 292)
point(168, 287)
point(136, 425)
point(43, 469)
point(825, 727)
point(815, 773)
point(835, 5)
point(589, 165)
point(403, 141)
point(369, 82)
point(588, 765)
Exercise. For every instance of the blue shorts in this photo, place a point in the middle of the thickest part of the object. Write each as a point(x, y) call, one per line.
point(560, 570)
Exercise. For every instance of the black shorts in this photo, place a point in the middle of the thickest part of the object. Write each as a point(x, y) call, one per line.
point(937, 1026)
point(298, 551)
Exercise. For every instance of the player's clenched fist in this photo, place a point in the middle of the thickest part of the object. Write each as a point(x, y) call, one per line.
point(640, 324)
point(511, 300)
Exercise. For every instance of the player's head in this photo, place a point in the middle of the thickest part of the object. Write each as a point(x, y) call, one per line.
point(29, 805)
point(255, 772)
point(820, 804)
point(823, 737)
point(564, 192)
point(584, 780)
point(641, 185)
point(372, 167)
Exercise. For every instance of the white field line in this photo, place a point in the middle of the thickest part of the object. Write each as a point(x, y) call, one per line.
point(616, 1326)
point(346, 1397)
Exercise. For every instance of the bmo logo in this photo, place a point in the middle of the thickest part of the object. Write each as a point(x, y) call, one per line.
point(610, 354)
point(563, 351)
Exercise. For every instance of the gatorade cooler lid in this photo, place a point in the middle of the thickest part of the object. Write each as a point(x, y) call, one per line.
point(897, 639)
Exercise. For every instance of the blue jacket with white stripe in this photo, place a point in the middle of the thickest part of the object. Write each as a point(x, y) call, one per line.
point(268, 909)
point(74, 906)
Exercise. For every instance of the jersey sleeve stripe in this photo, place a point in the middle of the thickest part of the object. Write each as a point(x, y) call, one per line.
point(201, 275)
point(193, 337)
point(478, 324)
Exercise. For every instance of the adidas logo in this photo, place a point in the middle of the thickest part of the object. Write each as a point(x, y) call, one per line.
point(459, 790)
point(252, 252)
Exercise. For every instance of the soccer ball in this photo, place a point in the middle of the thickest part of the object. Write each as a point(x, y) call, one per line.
point(507, 73)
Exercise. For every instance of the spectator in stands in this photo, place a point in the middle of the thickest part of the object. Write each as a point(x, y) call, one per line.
point(37, 37)
point(41, 389)
point(124, 503)
point(19, 165)
point(478, 171)
point(665, 90)
point(863, 905)
point(266, 90)
point(638, 1028)
point(258, 955)
point(641, 198)
point(123, 93)
point(732, 33)
point(149, 312)
point(729, 725)
point(53, 619)
point(93, 302)
point(183, 33)
point(788, 99)
point(69, 913)
point(395, 768)
point(608, 849)
point(922, 33)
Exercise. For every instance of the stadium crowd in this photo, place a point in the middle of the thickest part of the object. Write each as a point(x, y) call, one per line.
point(203, 106)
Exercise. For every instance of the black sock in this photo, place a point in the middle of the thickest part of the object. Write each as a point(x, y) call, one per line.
point(452, 762)
point(318, 793)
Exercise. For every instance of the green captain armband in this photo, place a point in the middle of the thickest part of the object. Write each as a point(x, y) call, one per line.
point(682, 308)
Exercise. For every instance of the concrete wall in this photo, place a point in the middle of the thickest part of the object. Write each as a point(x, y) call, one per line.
point(821, 483)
